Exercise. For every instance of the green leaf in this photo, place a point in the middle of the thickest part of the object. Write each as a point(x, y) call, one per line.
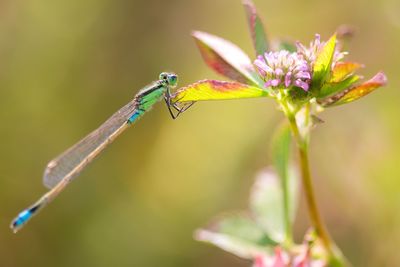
point(226, 58)
point(256, 26)
point(356, 92)
point(267, 203)
point(281, 148)
point(333, 88)
point(237, 234)
point(323, 63)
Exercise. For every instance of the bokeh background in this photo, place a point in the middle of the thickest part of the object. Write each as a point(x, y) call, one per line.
point(65, 66)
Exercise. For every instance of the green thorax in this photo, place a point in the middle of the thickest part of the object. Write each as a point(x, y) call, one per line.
point(150, 95)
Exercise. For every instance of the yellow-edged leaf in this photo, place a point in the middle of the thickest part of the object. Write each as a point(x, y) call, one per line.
point(356, 92)
point(217, 90)
point(331, 88)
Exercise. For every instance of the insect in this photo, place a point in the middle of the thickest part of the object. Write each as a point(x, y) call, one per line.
point(64, 168)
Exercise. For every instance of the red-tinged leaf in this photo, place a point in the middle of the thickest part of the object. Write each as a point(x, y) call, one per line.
point(342, 70)
point(323, 63)
point(217, 90)
point(226, 58)
point(356, 92)
point(256, 26)
point(329, 89)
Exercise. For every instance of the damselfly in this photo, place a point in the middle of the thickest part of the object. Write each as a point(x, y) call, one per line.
point(64, 168)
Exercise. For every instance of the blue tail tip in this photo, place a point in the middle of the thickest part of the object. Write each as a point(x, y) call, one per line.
point(20, 220)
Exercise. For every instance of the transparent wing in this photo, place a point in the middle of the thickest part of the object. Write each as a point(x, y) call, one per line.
point(69, 164)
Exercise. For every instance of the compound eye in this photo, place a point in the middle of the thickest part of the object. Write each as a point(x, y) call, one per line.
point(163, 76)
point(172, 79)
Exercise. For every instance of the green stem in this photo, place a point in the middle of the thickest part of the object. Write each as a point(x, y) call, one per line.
point(316, 220)
point(288, 241)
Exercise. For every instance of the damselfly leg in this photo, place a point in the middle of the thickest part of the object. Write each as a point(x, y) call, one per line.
point(178, 107)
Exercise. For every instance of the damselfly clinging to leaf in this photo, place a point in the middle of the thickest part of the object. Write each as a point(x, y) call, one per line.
point(61, 170)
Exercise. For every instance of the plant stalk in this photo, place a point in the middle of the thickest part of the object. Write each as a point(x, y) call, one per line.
point(315, 218)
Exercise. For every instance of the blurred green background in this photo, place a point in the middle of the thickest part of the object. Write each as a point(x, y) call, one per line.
point(65, 66)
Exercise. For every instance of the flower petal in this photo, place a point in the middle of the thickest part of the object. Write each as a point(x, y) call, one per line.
point(288, 79)
point(261, 65)
point(301, 84)
point(279, 259)
point(303, 75)
point(275, 82)
point(217, 90)
point(226, 58)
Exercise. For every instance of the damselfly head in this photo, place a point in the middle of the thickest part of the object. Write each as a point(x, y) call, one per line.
point(171, 79)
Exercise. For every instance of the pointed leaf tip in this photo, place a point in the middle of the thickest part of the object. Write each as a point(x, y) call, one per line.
point(258, 35)
point(226, 58)
point(356, 92)
point(380, 78)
